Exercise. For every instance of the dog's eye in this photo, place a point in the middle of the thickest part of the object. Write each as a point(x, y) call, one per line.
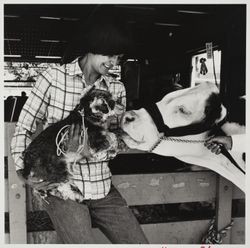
point(111, 104)
point(102, 106)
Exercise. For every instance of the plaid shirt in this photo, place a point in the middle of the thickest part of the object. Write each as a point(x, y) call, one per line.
point(57, 91)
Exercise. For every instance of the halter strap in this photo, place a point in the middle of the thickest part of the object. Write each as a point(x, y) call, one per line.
point(155, 114)
point(191, 129)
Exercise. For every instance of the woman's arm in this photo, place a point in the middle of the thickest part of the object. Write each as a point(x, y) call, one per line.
point(33, 112)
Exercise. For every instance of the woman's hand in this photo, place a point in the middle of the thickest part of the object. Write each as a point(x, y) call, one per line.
point(74, 139)
point(36, 183)
point(214, 143)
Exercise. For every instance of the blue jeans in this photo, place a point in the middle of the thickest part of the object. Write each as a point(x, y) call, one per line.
point(73, 221)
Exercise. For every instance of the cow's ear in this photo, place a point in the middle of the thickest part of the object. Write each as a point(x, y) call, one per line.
point(222, 115)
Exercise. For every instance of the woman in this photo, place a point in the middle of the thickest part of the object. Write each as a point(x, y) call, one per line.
point(56, 92)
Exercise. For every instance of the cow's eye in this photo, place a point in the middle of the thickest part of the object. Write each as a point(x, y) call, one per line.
point(184, 111)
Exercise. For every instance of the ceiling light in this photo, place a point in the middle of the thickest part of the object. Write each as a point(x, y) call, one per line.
point(48, 57)
point(132, 60)
point(70, 19)
point(12, 39)
point(134, 7)
point(11, 16)
point(12, 56)
point(167, 24)
point(192, 12)
point(52, 41)
point(50, 18)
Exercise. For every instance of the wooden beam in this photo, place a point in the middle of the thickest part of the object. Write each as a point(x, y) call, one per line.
point(224, 207)
point(17, 196)
point(187, 232)
point(164, 188)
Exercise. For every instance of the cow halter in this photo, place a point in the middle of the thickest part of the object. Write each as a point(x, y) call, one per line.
point(155, 114)
point(191, 129)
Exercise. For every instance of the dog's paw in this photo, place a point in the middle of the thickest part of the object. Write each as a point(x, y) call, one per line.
point(67, 191)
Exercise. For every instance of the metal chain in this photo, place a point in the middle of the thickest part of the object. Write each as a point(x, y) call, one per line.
point(183, 140)
point(213, 236)
point(175, 140)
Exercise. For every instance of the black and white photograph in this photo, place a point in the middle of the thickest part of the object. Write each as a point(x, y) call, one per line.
point(124, 123)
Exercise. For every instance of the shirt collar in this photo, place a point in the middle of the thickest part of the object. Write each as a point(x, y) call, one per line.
point(103, 81)
point(73, 68)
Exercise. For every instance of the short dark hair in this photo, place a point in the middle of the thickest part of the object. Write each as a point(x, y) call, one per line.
point(105, 34)
point(108, 35)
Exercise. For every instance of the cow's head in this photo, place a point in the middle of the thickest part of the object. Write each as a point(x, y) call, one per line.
point(200, 104)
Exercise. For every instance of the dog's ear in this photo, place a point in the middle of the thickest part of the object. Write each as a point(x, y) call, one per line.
point(111, 103)
point(86, 97)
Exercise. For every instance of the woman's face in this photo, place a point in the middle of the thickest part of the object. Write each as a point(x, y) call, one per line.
point(101, 64)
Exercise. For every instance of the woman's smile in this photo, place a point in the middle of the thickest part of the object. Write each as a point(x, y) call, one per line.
point(108, 66)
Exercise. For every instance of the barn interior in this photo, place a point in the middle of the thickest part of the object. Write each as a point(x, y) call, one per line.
point(169, 41)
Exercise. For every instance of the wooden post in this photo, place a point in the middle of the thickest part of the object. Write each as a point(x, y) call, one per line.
point(17, 197)
point(224, 206)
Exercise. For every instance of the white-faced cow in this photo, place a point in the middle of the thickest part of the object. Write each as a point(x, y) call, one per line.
point(179, 124)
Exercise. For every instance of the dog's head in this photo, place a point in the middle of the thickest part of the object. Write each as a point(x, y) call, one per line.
point(96, 105)
point(200, 104)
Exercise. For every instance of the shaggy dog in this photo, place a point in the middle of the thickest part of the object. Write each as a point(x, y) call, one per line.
point(46, 157)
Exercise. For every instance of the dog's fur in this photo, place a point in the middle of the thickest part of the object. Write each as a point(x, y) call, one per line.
point(40, 157)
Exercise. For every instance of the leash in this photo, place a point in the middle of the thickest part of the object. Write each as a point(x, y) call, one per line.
point(63, 133)
point(225, 152)
point(214, 236)
point(163, 137)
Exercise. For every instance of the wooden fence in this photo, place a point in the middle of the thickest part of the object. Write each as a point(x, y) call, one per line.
point(172, 207)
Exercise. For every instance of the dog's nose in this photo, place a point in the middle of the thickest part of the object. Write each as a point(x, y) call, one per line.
point(103, 108)
point(129, 119)
point(111, 104)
